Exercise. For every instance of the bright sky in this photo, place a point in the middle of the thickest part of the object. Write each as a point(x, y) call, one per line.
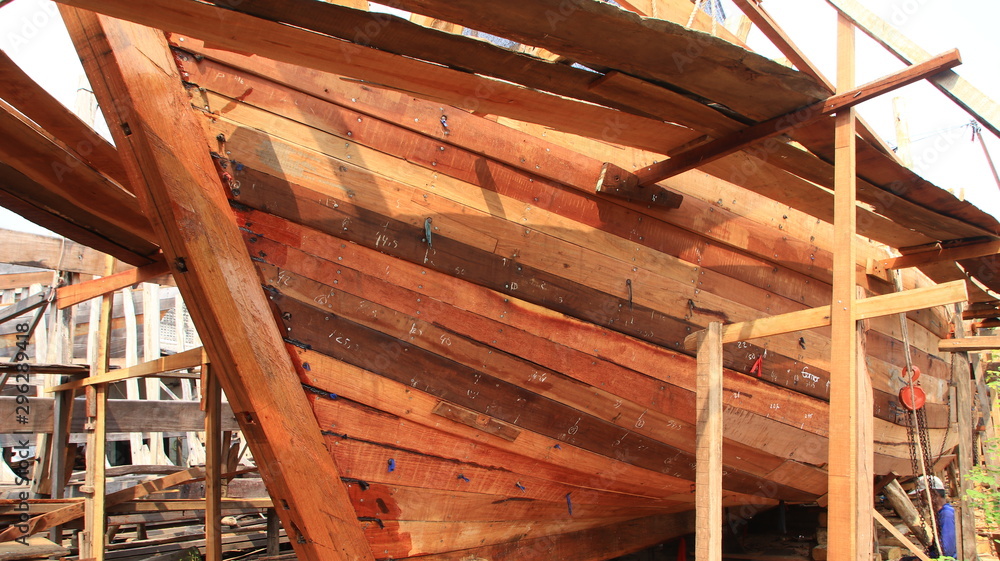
point(32, 34)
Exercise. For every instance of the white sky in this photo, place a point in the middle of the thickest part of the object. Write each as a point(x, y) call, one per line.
point(33, 35)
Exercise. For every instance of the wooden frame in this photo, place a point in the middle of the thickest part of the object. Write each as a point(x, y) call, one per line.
point(135, 78)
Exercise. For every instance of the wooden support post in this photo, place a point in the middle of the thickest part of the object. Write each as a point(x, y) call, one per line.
point(708, 476)
point(902, 131)
point(851, 455)
point(273, 532)
point(967, 96)
point(961, 378)
point(163, 147)
point(914, 549)
point(151, 351)
point(61, 352)
point(907, 512)
point(92, 541)
point(213, 463)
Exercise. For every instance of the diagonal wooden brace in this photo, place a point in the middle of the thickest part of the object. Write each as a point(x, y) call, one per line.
point(724, 146)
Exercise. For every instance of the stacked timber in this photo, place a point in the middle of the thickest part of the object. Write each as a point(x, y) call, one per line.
point(490, 350)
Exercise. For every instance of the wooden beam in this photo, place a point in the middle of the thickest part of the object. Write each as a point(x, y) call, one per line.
point(76, 293)
point(970, 98)
point(981, 343)
point(76, 510)
point(938, 255)
point(19, 90)
point(719, 148)
point(95, 524)
point(867, 308)
point(124, 416)
point(708, 479)
point(383, 69)
point(907, 512)
point(758, 15)
point(213, 463)
point(23, 306)
point(69, 186)
point(610, 182)
point(179, 361)
point(24, 280)
point(961, 378)
point(850, 448)
point(163, 147)
point(914, 549)
point(47, 252)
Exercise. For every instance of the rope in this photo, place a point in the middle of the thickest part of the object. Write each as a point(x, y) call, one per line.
point(694, 12)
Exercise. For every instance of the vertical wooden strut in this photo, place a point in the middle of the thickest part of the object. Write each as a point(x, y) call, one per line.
point(850, 487)
point(165, 151)
point(708, 476)
point(961, 377)
point(213, 462)
point(92, 542)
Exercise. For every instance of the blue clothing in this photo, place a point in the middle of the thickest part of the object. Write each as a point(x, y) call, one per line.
point(946, 531)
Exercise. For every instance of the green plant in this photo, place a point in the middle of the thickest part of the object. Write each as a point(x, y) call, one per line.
point(984, 479)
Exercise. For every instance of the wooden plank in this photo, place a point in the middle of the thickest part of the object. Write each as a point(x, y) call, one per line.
point(183, 360)
point(89, 197)
point(213, 463)
point(962, 380)
point(967, 96)
point(19, 90)
point(596, 544)
point(866, 308)
point(914, 549)
point(47, 252)
point(34, 548)
point(133, 71)
point(708, 482)
point(94, 535)
point(979, 343)
point(938, 254)
point(76, 293)
point(477, 420)
point(124, 416)
point(604, 36)
point(76, 510)
point(610, 183)
point(24, 280)
point(386, 70)
point(716, 149)
point(849, 445)
point(443, 47)
point(24, 306)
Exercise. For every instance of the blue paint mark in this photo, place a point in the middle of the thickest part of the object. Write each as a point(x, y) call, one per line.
point(392, 465)
point(569, 504)
point(463, 478)
point(519, 486)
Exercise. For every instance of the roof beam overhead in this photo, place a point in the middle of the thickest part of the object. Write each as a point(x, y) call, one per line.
point(19, 90)
point(165, 153)
point(719, 148)
point(770, 28)
point(970, 98)
point(241, 32)
point(39, 171)
point(605, 36)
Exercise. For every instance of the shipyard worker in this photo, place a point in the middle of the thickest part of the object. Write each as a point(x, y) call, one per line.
point(945, 515)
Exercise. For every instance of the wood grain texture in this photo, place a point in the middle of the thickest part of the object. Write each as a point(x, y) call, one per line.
point(382, 69)
point(708, 481)
point(173, 173)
